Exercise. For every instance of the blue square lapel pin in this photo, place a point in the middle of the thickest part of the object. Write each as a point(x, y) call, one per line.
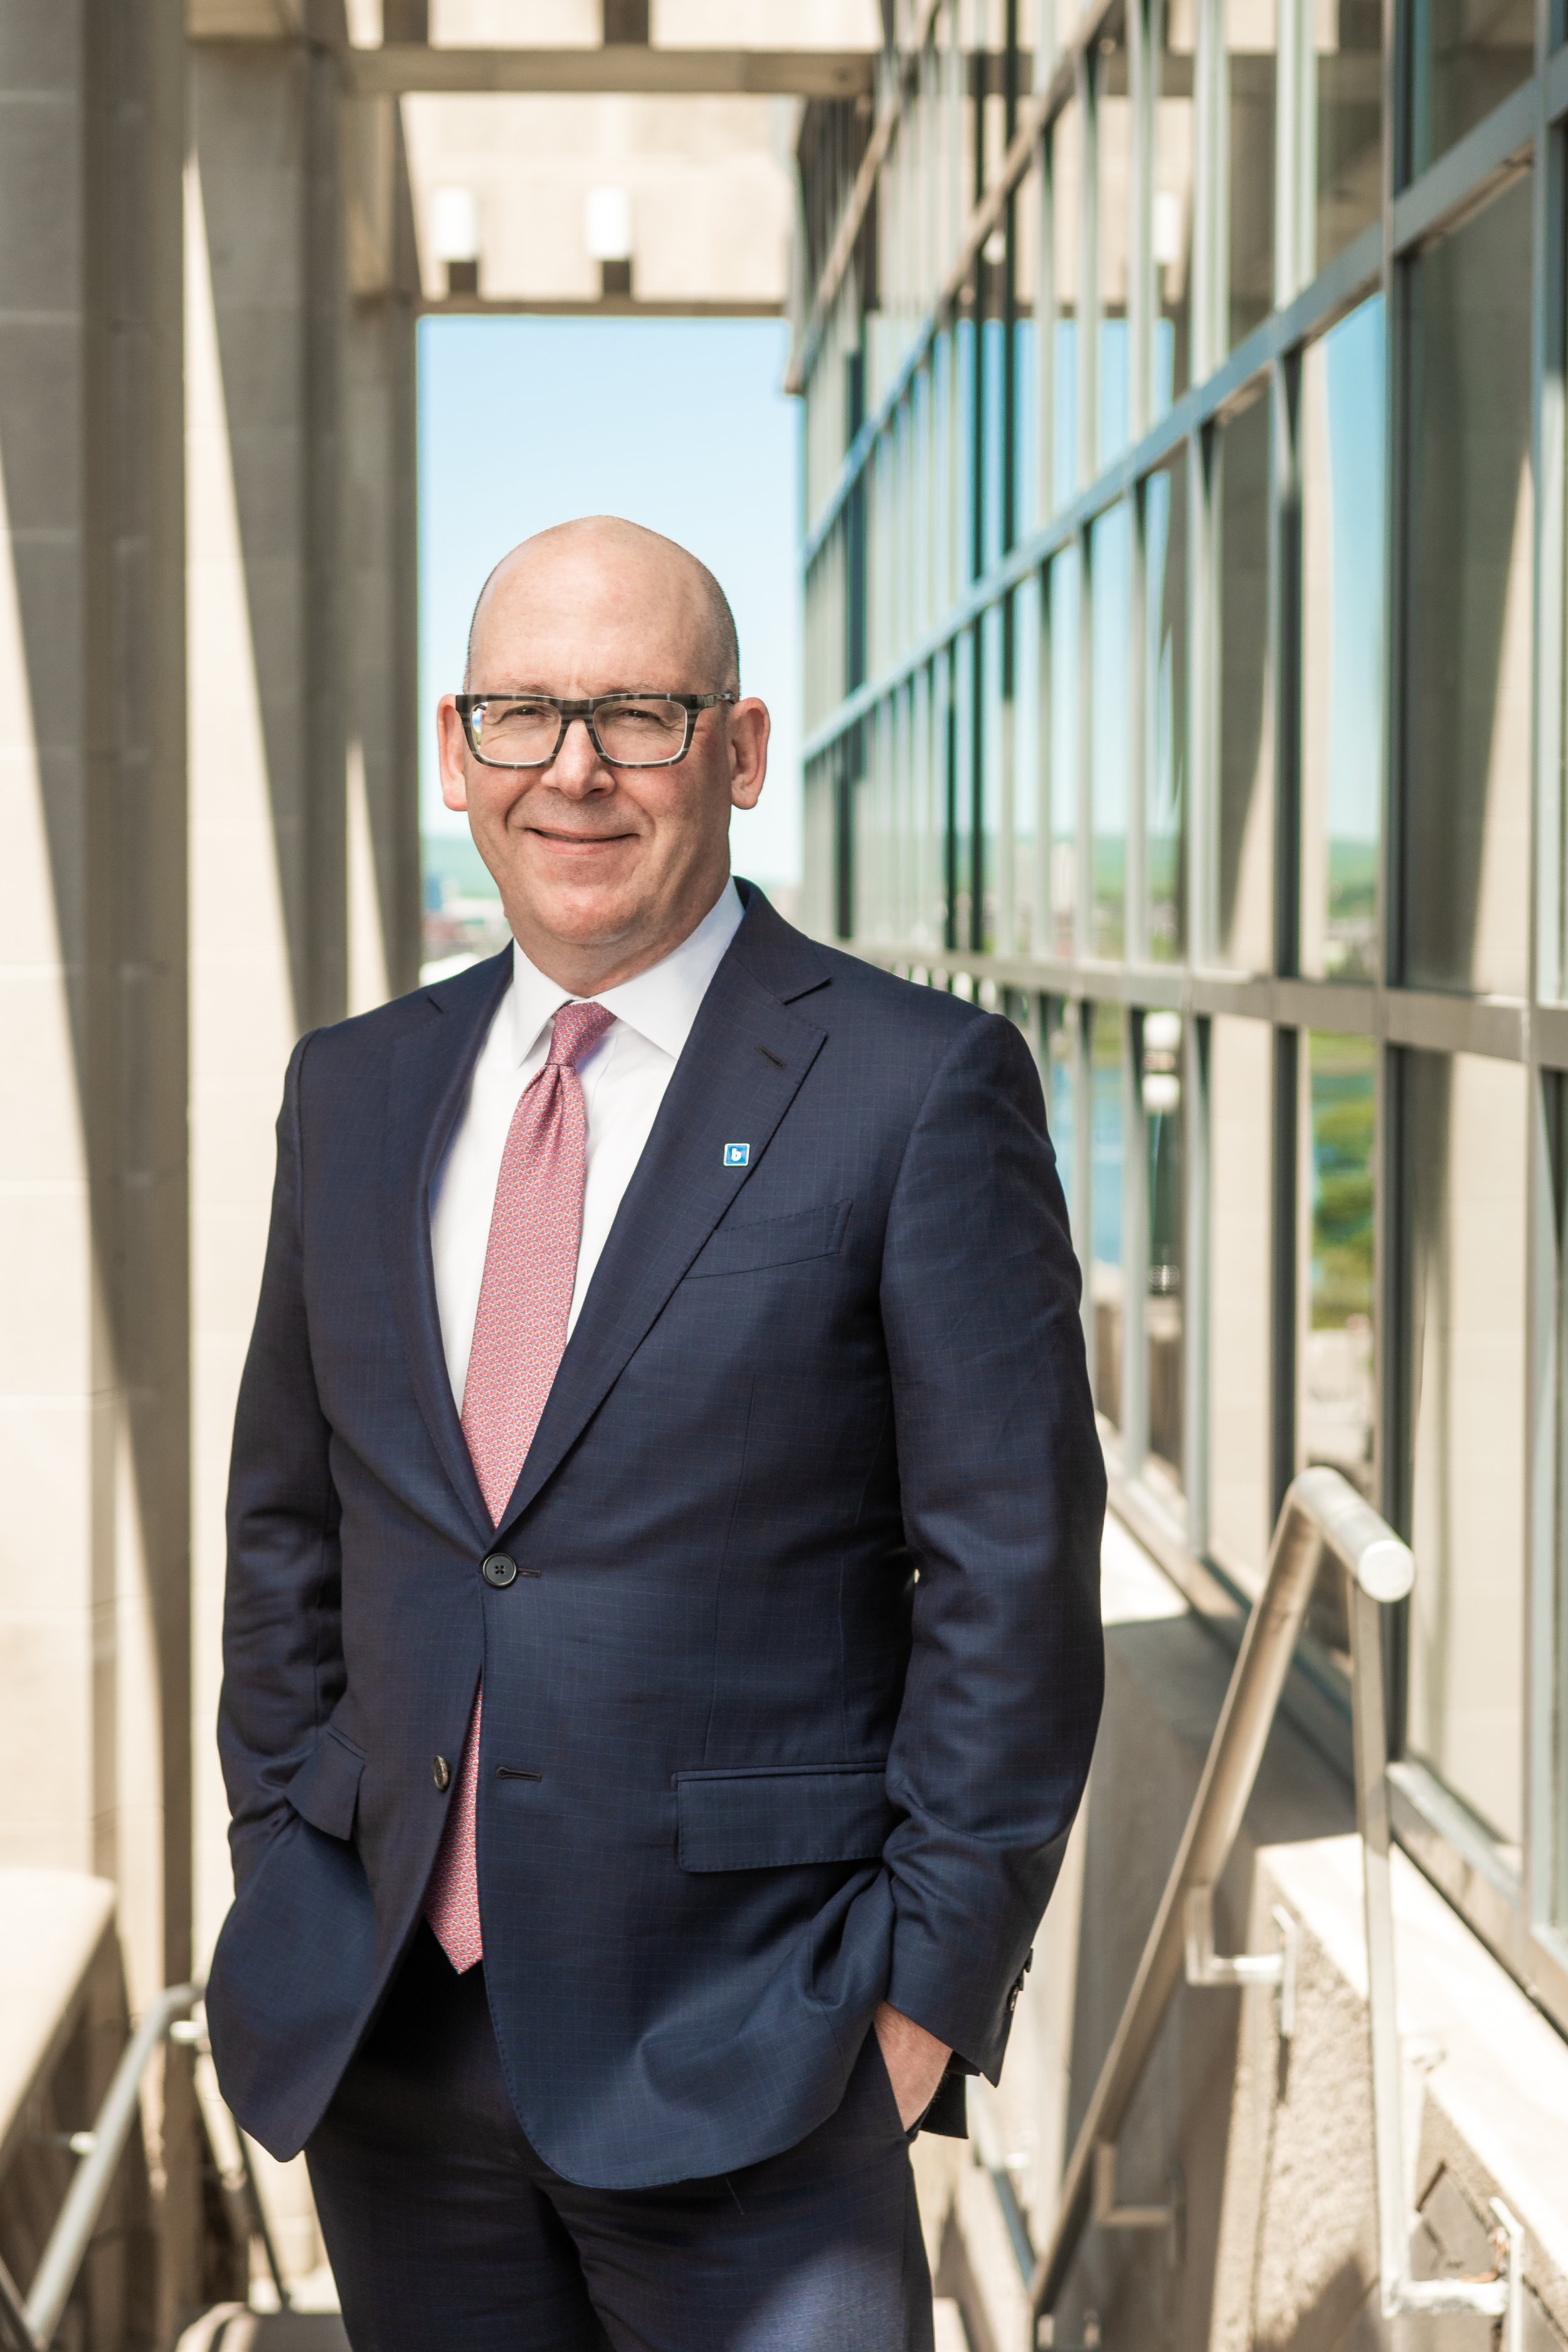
point(737, 1155)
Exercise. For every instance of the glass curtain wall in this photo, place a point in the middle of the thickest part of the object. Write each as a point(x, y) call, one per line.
point(1186, 677)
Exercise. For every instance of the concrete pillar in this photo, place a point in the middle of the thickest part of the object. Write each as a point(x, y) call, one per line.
point(94, 1541)
point(300, 282)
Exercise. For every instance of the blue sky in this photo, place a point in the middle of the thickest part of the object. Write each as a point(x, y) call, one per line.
point(680, 424)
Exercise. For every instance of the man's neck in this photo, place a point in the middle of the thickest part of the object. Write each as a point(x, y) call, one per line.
point(586, 969)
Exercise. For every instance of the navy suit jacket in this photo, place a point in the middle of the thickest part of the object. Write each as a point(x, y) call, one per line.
point(790, 1705)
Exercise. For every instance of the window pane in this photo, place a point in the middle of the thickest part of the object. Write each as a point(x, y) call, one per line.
point(1465, 56)
point(1165, 692)
point(1467, 781)
point(995, 749)
point(1342, 645)
point(1245, 878)
point(1108, 1038)
point(1336, 1415)
point(1112, 123)
point(1062, 677)
point(1466, 1153)
point(1067, 213)
point(1241, 1158)
point(1249, 36)
point(1166, 1180)
point(1172, 228)
point(1061, 1099)
point(1021, 915)
point(1348, 57)
point(1110, 561)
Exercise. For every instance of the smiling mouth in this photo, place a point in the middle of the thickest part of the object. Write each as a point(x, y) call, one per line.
point(579, 840)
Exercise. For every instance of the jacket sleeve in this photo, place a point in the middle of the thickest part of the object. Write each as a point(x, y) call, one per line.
point(282, 1653)
point(1002, 1489)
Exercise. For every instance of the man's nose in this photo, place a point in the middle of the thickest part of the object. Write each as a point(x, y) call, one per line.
point(577, 766)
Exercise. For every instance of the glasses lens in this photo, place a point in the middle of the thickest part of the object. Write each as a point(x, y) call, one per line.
point(515, 734)
point(641, 732)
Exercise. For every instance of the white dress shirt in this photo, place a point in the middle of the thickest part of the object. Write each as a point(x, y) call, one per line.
point(623, 1080)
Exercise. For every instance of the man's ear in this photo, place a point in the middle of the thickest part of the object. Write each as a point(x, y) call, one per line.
point(450, 747)
point(750, 727)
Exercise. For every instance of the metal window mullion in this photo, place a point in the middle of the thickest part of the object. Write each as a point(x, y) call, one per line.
point(1295, 150)
point(1196, 1246)
point(1135, 1249)
point(1292, 1134)
point(1136, 866)
point(1139, 197)
point(1285, 654)
point(1087, 337)
point(1204, 464)
point(1081, 1015)
point(1083, 875)
point(1542, 1698)
point(1045, 337)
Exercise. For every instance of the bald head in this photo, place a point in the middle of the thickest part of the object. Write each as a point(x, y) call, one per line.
point(601, 557)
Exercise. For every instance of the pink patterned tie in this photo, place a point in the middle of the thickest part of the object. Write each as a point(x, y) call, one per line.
point(519, 1337)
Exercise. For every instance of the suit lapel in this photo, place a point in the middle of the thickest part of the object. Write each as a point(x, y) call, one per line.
point(429, 1070)
point(742, 1063)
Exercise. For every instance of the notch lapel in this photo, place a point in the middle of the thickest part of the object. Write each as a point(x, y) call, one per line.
point(741, 1067)
point(429, 1069)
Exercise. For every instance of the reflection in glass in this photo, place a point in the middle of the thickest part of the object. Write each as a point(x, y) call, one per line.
point(1111, 583)
point(1062, 668)
point(1164, 834)
point(1250, 41)
point(1241, 1258)
point(1341, 644)
point(1108, 1046)
point(1243, 898)
point(1467, 781)
point(1113, 117)
point(1465, 1149)
point(1162, 1312)
point(1061, 1097)
point(1067, 212)
point(1465, 56)
point(1336, 1418)
point(1347, 121)
point(1171, 229)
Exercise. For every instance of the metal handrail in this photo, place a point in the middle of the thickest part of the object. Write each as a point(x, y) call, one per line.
point(1321, 1514)
point(31, 2324)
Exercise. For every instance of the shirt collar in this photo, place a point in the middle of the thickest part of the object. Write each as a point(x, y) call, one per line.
point(660, 1003)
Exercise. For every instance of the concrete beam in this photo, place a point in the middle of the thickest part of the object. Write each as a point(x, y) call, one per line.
point(597, 306)
point(626, 69)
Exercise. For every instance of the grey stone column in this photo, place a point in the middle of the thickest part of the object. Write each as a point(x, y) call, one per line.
point(95, 1747)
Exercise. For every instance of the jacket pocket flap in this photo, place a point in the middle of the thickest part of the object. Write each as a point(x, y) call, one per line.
point(325, 1791)
point(773, 1819)
point(774, 1241)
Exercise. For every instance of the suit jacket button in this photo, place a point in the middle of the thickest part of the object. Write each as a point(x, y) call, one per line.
point(440, 1770)
point(499, 1571)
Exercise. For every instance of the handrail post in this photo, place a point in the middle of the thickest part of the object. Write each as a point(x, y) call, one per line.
point(1321, 1514)
point(1403, 2297)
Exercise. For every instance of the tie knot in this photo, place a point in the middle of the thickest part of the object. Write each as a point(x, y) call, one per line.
point(578, 1027)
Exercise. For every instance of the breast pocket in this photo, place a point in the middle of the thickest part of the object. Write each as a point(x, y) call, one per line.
point(773, 1241)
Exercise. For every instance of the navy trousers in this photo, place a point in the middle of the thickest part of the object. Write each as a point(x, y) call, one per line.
point(448, 2233)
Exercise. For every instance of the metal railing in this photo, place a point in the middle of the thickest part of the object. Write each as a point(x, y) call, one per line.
point(1321, 1516)
point(31, 2324)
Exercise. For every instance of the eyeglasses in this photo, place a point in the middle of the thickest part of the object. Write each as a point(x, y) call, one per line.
point(627, 730)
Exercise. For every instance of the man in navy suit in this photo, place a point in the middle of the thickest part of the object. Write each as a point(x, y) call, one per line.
point(662, 1645)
